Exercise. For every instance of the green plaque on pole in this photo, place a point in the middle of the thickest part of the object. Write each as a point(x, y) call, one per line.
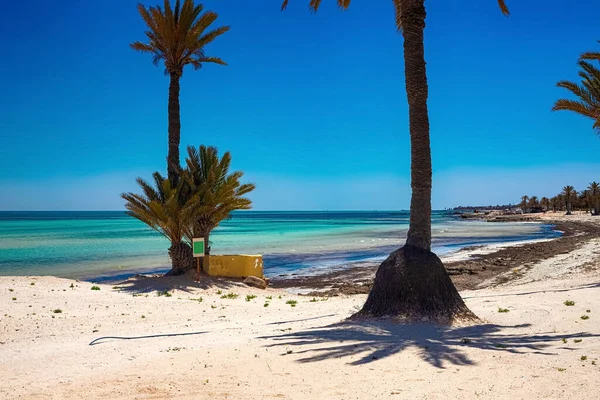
point(198, 247)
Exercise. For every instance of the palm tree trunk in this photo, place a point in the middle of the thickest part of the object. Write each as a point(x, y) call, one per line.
point(174, 128)
point(412, 283)
point(413, 24)
point(182, 258)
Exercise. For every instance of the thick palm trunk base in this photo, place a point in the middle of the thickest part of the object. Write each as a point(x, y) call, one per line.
point(412, 285)
point(182, 259)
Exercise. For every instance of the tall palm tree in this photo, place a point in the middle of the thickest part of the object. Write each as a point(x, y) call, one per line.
point(568, 192)
point(545, 203)
point(177, 36)
point(412, 283)
point(524, 203)
point(216, 191)
point(165, 209)
point(587, 94)
point(594, 190)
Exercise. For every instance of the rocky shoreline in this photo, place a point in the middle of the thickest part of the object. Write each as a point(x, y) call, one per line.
point(472, 273)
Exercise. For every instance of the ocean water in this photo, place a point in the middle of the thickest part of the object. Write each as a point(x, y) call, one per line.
point(105, 245)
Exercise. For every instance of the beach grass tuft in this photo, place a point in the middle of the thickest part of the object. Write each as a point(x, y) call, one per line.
point(230, 296)
point(291, 303)
point(583, 358)
point(584, 317)
point(266, 304)
point(163, 293)
point(577, 340)
point(250, 297)
point(57, 311)
point(14, 298)
point(32, 283)
point(561, 369)
point(95, 287)
point(569, 303)
point(219, 291)
point(199, 299)
point(313, 300)
point(503, 310)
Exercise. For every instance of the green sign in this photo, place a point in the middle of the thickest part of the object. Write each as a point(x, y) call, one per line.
point(198, 247)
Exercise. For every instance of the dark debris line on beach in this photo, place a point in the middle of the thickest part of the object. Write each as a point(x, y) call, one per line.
point(468, 274)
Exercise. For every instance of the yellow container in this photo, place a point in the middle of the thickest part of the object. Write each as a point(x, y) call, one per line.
point(238, 266)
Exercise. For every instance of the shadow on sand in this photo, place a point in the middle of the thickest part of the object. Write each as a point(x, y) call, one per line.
point(366, 341)
point(186, 283)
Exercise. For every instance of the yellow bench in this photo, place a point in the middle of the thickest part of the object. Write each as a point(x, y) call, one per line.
point(238, 266)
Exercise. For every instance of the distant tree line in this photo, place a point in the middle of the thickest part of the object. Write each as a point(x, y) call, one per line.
point(486, 208)
point(567, 200)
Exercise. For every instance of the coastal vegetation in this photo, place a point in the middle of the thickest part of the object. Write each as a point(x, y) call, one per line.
point(206, 194)
point(412, 283)
point(568, 200)
point(177, 36)
point(587, 93)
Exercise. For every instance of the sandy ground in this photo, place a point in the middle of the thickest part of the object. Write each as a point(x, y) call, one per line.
point(179, 347)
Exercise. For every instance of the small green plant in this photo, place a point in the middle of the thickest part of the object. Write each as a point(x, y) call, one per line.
point(291, 303)
point(11, 290)
point(57, 311)
point(32, 283)
point(72, 286)
point(594, 362)
point(143, 316)
point(219, 292)
point(577, 340)
point(561, 369)
point(564, 340)
point(584, 317)
point(588, 311)
point(266, 304)
point(95, 287)
point(569, 303)
point(269, 297)
point(500, 345)
point(199, 299)
point(279, 297)
point(583, 358)
point(14, 298)
point(231, 296)
point(503, 310)
point(313, 300)
point(250, 297)
point(213, 306)
point(163, 293)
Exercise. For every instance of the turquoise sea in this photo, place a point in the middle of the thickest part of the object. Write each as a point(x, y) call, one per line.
point(106, 245)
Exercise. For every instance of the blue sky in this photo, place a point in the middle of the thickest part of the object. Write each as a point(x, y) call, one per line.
point(312, 106)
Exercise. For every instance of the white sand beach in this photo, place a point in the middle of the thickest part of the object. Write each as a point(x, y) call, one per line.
point(127, 342)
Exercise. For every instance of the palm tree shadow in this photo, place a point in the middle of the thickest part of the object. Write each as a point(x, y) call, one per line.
point(186, 283)
point(370, 340)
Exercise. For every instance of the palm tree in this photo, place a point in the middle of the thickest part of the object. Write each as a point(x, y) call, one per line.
point(594, 190)
point(177, 37)
point(591, 55)
point(567, 193)
point(216, 191)
point(587, 94)
point(165, 209)
point(412, 283)
point(524, 203)
point(545, 203)
point(533, 203)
